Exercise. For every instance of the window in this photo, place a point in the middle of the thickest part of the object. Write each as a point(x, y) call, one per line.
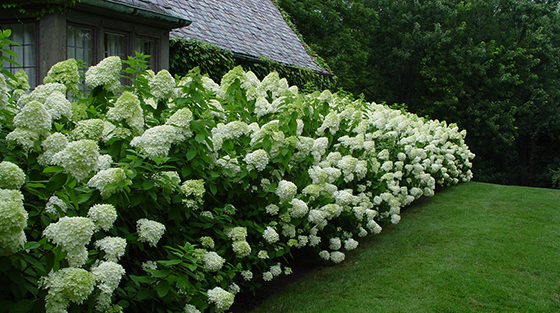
point(24, 34)
point(115, 44)
point(147, 47)
point(80, 44)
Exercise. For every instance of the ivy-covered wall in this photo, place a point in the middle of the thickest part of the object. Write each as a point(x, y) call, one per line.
point(185, 54)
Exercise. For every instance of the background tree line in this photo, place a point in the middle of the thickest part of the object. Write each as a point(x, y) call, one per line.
point(491, 66)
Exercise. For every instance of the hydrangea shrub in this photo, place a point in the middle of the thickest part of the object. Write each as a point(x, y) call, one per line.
point(177, 193)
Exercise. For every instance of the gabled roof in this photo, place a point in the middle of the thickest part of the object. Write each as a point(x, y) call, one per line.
point(251, 28)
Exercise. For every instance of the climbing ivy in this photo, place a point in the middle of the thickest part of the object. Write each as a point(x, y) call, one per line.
point(185, 54)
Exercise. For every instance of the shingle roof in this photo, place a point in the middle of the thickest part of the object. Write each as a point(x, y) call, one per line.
point(149, 5)
point(247, 27)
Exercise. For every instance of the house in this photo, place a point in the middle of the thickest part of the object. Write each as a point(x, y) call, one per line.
point(91, 30)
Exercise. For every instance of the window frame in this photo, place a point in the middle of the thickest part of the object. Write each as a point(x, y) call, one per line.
point(33, 82)
point(94, 41)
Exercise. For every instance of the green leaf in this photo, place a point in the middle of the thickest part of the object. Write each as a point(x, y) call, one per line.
point(200, 138)
point(170, 262)
point(142, 279)
point(148, 184)
point(213, 188)
point(162, 288)
point(191, 154)
point(161, 273)
point(35, 185)
point(52, 169)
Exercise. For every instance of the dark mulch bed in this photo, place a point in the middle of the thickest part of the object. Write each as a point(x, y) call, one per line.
point(302, 265)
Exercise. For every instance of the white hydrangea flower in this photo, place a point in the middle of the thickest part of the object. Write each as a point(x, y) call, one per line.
point(331, 210)
point(276, 270)
point(13, 219)
point(3, 92)
point(103, 216)
point(108, 276)
point(314, 240)
point(149, 265)
point(210, 84)
point(72, 234)
point(343, 197)
point(111, 131)
point(237, 233)
point(12, 242)
point(267, 276)
point(302, 241)
point(54, 143)
point(234, 288)
point(257, 159)
point(64, 72)
point(319, 148)
point(270, 235)
point(79, 158)
point(41, 93)
point(193, 187)
point(395, 218)
point(162, 85)
point(286, 190)
point(58, 106)
point(241, 248)
point(337, 256)
point(220, 298)
point(11, 176)
point(263, 254)
point(157, 140)
point(331, 122)
point(229, 163)
point(212, 261)
point(149, 231)
point(189, 308)
point(54, 204)
point(33, 116)
point(207, 242)
point(272, 209)
point(182, 120)
point(325, 255)
point(263, 107)
point(207, 214)
point(104, 162)
point(316, 217)
point(335, 243)
point(88, 129)
point(299, 208)
point(373, 227)
point(350, 244)
point(247, 275)
point(127, 108)
point(114, 247)
point(24, 137)
point(105, 73)
point(67, 285)
point(288, 230)
point(165, 178)
point(112, 176)
point(327, 96)
point(362, 232)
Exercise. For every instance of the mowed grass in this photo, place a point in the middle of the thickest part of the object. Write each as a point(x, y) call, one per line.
point(473, 247)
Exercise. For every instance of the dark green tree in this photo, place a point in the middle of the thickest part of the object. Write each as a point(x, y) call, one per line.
point(490, 66)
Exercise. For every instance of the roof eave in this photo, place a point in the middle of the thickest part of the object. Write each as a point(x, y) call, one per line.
point(158, 18)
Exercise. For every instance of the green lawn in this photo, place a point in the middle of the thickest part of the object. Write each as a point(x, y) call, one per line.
point(471, 248)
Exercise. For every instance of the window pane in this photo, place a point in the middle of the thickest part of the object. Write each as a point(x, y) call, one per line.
point(24, 34)
point(80, 43)
point(115, 44)
point(147, 47)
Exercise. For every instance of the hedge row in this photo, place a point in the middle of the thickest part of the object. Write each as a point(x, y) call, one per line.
point(175, 193)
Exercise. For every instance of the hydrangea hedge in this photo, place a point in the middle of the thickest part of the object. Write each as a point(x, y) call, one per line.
point(172, 194)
